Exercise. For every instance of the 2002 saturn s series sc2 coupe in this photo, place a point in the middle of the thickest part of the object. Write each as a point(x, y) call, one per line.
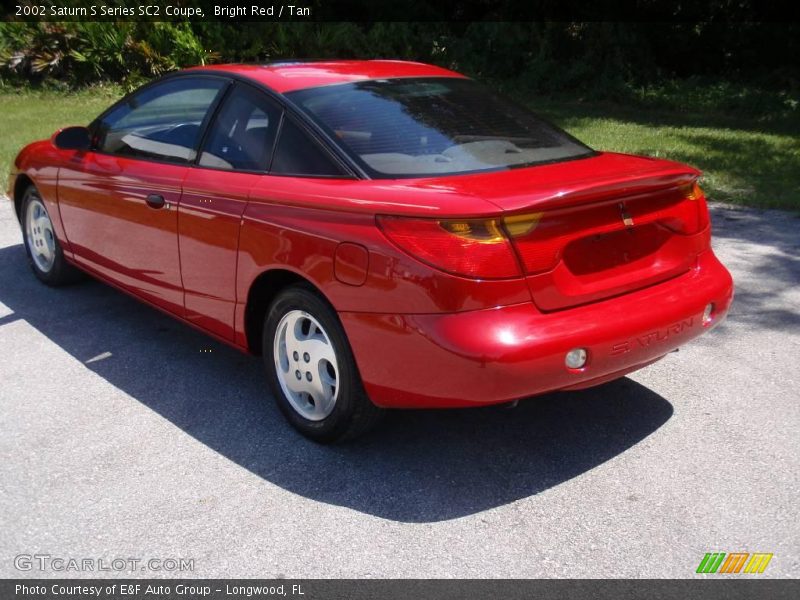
point(386, 234)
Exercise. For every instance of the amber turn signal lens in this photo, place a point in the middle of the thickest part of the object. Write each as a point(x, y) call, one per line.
point(693, 191)
point(476, 230)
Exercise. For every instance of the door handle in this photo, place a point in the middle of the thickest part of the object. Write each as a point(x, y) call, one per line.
point(155, 201)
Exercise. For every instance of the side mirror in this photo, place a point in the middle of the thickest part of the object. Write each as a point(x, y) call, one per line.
point(72, 138)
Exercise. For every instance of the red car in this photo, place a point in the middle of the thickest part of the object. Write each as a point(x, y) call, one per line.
point(385, 234)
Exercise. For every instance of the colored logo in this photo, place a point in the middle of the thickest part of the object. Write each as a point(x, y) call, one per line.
point(735, 562)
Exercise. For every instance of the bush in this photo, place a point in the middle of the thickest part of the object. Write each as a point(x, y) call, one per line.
point(738, 67)
point(82, 53)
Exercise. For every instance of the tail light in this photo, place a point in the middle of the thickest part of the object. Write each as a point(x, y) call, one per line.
point(539, 239)
point(485, 248)
point(475, 248)
point(695, 195)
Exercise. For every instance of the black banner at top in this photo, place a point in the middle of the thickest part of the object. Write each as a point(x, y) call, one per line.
point(396, 10)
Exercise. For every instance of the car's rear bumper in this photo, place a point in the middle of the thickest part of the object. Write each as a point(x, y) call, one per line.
point(506, 353)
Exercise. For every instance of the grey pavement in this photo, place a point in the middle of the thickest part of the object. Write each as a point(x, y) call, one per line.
point(126, 434)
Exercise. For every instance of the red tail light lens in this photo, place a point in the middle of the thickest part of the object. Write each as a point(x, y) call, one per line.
point(683, 212)
point(697, 197)
point(475, 248)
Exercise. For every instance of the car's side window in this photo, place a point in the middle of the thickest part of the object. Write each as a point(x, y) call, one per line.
point(297, 154)
point(243, 132)
point(162, 122)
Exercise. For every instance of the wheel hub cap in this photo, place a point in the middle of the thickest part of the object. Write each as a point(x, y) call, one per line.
point(306, 364)
point(41, 240)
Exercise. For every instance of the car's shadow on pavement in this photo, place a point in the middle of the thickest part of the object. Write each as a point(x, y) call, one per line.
point(419, 466)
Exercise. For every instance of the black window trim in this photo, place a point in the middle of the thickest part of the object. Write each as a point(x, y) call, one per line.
point(350, 170)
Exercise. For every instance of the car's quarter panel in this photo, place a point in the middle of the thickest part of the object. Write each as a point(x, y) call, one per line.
point(502, 354)
point(115, 233)
point(209, 223)
point(297, 224)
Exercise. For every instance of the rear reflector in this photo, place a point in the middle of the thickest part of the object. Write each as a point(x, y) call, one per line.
point(475, 248)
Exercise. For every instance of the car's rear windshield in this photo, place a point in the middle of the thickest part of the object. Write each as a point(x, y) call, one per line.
point(417, 127)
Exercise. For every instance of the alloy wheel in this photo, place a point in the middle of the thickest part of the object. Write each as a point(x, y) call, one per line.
point(306, 364)
point(40, 237)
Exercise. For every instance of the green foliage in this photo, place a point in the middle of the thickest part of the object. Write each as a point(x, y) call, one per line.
point(744, 161)
point(703, 94)
point(736, 68)
point(261, 42)
point(80, 53)
point(34, 115)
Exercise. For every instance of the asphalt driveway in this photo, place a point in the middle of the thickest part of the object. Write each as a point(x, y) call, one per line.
point(126, 434)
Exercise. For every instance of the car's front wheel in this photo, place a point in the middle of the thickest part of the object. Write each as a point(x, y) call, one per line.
point(45, 255)
point(311, 369)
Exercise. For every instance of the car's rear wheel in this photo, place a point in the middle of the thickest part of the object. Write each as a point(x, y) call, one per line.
point(45, 255)
point(311, 369)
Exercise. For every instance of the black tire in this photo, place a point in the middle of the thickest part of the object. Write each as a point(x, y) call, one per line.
point(353, 413)
point(60, 272)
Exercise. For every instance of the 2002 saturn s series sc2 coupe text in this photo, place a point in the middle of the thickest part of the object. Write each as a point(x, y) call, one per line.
point(386, 234)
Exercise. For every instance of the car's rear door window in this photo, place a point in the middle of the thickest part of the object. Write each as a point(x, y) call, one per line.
point(162, 122)
point(243, 132)
point(413, 127)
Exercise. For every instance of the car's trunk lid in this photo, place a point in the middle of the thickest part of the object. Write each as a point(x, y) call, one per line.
point(598, 227)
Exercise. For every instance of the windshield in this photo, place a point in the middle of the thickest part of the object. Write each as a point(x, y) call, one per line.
point(416, 127)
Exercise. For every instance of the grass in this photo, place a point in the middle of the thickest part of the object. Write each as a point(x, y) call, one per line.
point(745, 161)
point(35, 115)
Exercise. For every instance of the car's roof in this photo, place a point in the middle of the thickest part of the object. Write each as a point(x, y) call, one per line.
point(295, 75)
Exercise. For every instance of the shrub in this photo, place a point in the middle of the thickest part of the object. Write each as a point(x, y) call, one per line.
point(80, 53)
